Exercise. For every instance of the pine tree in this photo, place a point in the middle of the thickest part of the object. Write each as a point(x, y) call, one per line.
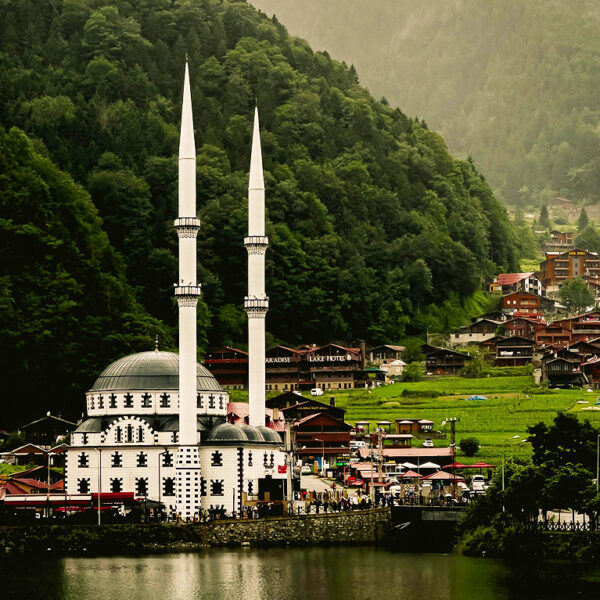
point(544, 218)
point(583, 220)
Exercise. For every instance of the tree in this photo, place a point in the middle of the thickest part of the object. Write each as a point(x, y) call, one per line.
point(544, 219)
point(588, 239)
point(583, 220)
point(412, 372)
point(566, 486)
point(575, 295)
point(565, 440)
point(469, 446)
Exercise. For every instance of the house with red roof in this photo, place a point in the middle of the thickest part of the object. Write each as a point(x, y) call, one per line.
point(506, 283)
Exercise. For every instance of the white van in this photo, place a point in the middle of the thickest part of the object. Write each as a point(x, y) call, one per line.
point(356, 444)
point(316, 392)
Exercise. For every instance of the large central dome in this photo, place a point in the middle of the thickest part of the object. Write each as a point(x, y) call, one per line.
point(149, 371)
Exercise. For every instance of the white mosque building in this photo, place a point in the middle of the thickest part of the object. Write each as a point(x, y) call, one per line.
point(156, 421)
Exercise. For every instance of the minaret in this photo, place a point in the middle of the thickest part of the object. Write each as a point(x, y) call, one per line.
point(256, 303)
point(187, 293)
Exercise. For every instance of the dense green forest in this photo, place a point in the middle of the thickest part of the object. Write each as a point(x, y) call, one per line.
point(376, 231)
point(514, 84)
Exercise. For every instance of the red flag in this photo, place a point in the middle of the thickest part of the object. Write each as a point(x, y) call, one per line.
point(282, 468)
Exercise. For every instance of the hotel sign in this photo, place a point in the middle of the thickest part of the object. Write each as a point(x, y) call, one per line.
point(278, 359)
point(315, 358)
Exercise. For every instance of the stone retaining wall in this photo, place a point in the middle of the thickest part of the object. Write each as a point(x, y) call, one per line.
point(360, 527)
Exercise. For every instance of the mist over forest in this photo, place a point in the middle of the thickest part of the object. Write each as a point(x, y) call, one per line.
point(512, 84)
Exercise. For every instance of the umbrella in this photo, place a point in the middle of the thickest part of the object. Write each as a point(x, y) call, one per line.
point(410, 474)
point(482, 465)
point(409, 465)
point(456, 465)
point(430, 465)
point(441, 476)
point(384, 422)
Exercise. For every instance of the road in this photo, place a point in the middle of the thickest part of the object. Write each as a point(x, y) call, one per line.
point(317, 484)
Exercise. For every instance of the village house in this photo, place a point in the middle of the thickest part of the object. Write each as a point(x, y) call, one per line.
point(443, 361)
point(558, 205)
point(553, 334)
point(562, 371)
point(413, 425)
point(385, 354)
point(319, 435)
point(475, 333)
point(506, 283)
point(229, 366)
point(524, 304)
point(560, 241)
point(514, 352)
point(522, 326)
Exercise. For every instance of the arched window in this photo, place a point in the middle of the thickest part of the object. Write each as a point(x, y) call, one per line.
point(112, 401)
point(128, 401)
point(217, 459)
point(84, 462)
point(116, 485)
point(164, 401)
point(140, 434)
point(216, 487)
point(211, 401)
point(142, 459)
point(265, 460)
point(272, 460)
point(129, 434)
point(141, 486)
point(250, 486)
point(116, 459)
point(168, 486)
point(91, 402)
point(83, 485)
point(167, 459)
point(146, 400)
point(250, 458)
point(220, 402)
point(118, 435)
point(100, 401)
point(199, 401)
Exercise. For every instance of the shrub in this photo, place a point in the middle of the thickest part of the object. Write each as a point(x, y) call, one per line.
point(469, 446)
point(412, 372)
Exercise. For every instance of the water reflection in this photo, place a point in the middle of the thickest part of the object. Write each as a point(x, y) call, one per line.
point(280, 574)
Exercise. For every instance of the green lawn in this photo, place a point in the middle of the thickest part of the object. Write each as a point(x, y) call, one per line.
point(494, 422)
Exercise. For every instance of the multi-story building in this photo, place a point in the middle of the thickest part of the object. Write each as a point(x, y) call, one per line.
point(283, 367)
point(333, 366)
point(514, 352)
point(553, 334)
point(523, 304)
point(229, 366)
point(560, 241)
point(475, 333)
point(442, 361)
point(564, 266)
point(558, 205)
point(385, 354)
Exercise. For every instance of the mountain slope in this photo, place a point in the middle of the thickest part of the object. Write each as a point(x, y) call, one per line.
point(513, 84)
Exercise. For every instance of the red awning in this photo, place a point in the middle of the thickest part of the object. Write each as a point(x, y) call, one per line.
point(481, 465)
point(112, 497)
point(456, 465)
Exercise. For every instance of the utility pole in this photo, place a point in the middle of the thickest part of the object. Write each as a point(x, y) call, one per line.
point(452, 421)
point(289, 452)
point(380, 438)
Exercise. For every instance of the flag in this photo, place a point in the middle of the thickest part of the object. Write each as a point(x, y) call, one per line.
point(282, 468)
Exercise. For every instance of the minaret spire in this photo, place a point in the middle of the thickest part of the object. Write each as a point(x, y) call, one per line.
point(256, 302)
point(187, 293)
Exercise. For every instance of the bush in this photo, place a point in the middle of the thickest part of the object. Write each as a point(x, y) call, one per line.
point(412, 372)
point(469, 446)
point(420, 393)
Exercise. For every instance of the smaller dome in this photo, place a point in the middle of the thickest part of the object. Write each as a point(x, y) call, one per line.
point(253, 433)
point(226, 432)
point(269, 435)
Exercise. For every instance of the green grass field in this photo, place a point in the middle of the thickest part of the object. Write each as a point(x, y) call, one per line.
point(507, 412)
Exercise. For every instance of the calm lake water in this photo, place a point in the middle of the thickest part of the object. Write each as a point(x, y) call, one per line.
point(290, 574)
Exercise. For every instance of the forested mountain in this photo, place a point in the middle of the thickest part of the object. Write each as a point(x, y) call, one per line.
point(375, 230)
point(514, 84)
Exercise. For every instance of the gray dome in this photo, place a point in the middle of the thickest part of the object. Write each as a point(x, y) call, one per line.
point(150, 371)
point(252, 433)
point(226, 432)
point(269, 435)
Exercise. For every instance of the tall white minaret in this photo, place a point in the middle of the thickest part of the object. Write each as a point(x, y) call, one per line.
point(187, 293)
point(256, 303)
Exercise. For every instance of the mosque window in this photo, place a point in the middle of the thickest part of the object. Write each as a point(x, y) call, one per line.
point(174, 436)
point(164, 401)
point(118, 435)
point(265, 460)
point(116, 459)
point(211, 401)
point(84, 461)
point(129, 434)
point(142, 459)
point(249, 459)
point(140, 434)
point(84, 438)
point(112, 401)
point(116, 485)
point(91, 402)
point(221, 402)
point(167, 459)
point(168, 486)
point(146, 400)
point(199, 401)
point(272, 464)
point(202, 486)
point(217, 459)
point(141, 486)
point(216, 487)
point(128, 401)
point(83, 485)
point(100, 401)
point(250, 486)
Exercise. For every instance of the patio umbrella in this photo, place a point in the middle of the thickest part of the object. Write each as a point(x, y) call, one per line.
point(410, 465)
point(384, 422)
point(456, 465)
point(430, 465)
point(441, 476)
point(410, 475)
point(481, 465)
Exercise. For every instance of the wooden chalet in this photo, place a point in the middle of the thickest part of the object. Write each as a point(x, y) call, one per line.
point(563, 372)
point(514, 352)
point(47, 430)
point(413, 425)
point(229, 366)
point(522, 327)
point(385, 354)
point(443, 361)
point(553, 334)
point(320, 434)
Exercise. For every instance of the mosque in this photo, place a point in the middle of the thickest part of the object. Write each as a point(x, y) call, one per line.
point(156, 421)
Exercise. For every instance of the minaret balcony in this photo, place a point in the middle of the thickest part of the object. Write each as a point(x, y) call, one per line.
point(256, 244)
point(253, 304)
point(191, 291)
point(187, 227)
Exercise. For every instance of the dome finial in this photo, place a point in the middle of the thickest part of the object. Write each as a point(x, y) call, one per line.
point(156, 343)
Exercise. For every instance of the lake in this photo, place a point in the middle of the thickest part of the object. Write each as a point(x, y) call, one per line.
point(363, 573)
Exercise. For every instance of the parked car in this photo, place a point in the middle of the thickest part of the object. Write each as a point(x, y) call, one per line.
point(316, 392)
point(478, 483)
point(356, 444)
point(428, 444)
point(306, 470)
